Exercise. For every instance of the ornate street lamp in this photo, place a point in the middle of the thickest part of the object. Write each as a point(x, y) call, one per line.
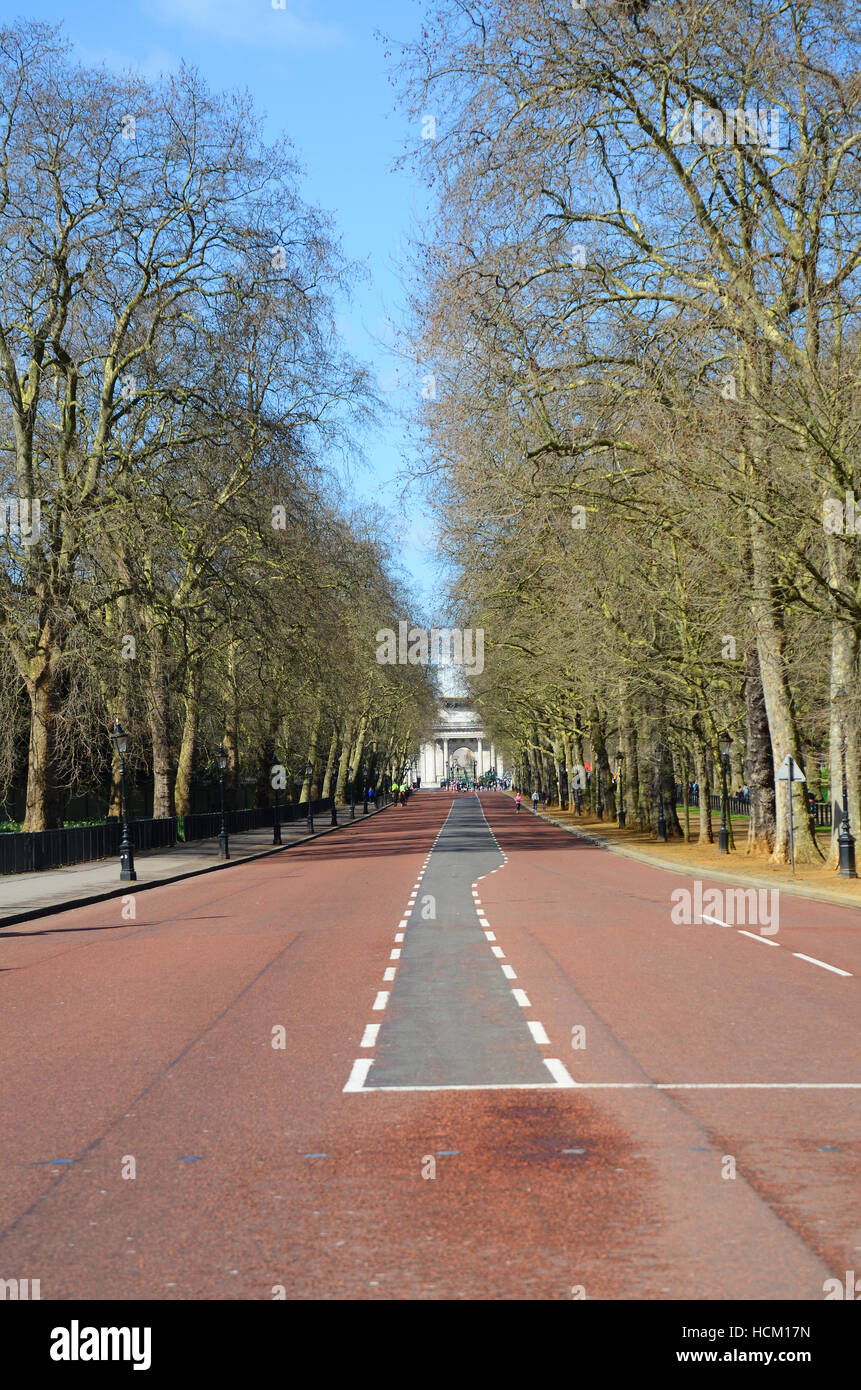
point(119, 738)
point(276, 823)
point(223, 841)
point(620, 758)
point(723, 834)
point(309, 773)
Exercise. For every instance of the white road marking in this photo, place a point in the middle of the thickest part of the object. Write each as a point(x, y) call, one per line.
point(402, 924)
point(824, 964)
point(559, 1073)
point(389, 973)
point(359, 1074)
point(395, 953)
point(369, 1037)
point(490, 936)
point(498, 952)
point(508, 972)
point(521, 998)
point(382, 999)
point(537, 1031)
point(719, 1085)
point(482, 921)
point(399, 936)
point(717, 921)
point(754, 937)
point(489, 1086)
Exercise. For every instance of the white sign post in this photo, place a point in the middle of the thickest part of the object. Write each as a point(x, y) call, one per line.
point(790, 772)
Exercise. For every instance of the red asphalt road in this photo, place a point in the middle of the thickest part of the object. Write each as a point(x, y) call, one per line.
point(152, 1040)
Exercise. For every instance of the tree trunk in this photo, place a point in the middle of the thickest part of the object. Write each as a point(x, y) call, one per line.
point(43, 804)
point(344, 763)
point(159, 727)
point(188, 745)
point(330, 763)
point(760, 763)
point(844, 667)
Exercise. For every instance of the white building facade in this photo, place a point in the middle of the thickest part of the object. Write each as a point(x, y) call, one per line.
point(458, 743)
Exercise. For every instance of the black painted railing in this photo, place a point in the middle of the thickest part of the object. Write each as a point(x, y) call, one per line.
point(740, 805)
point(27, 851)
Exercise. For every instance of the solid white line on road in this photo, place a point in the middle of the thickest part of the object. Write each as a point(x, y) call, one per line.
point(559, 1073)
point(498, 952)
point(382, 999)
point(537, 1031)
point(389, 973)
point(399, 936)
point(396, 953)
point(753, 936)
point(490, 936)
point(359, 1074)
point(824, 964)
point(369, 1037)
point(521, 998)
point(719, 1085)
point(508, 972)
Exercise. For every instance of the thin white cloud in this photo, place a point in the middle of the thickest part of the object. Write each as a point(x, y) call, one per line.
point(152, 65)
point(253, 22)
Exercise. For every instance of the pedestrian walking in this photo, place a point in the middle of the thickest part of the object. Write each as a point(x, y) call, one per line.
point(517, 801)
point(535, 802)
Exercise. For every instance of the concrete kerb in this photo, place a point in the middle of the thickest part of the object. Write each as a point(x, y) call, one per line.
point(700, 871)
point(128, 889)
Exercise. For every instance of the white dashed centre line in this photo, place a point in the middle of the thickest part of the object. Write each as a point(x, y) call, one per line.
point(824, 964)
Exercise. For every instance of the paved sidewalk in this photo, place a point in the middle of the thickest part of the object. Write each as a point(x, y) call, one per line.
point(24, 896)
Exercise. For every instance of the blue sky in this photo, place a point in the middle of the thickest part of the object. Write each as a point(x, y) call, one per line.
point(317, 71)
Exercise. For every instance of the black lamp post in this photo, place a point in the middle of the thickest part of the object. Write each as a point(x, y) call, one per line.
point(223, 841)
point(659, 767)
point(620, 758)
point(352, 796)
point(845, 840)
point(127, 853)
point(365, 772)
point(309, 773)
point(600, 805)
point(276, 823)
point(723, 833)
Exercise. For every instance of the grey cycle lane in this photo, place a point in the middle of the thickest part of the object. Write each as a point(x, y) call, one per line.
point(451, 1018)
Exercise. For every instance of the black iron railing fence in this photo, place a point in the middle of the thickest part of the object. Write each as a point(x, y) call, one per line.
point(207, 824)
point(740, 806)
point(28, 851)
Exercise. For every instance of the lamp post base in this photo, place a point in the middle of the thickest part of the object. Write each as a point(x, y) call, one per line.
point(223, 845)
point(622, 819)
point(846, 845)
point(723, 840)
